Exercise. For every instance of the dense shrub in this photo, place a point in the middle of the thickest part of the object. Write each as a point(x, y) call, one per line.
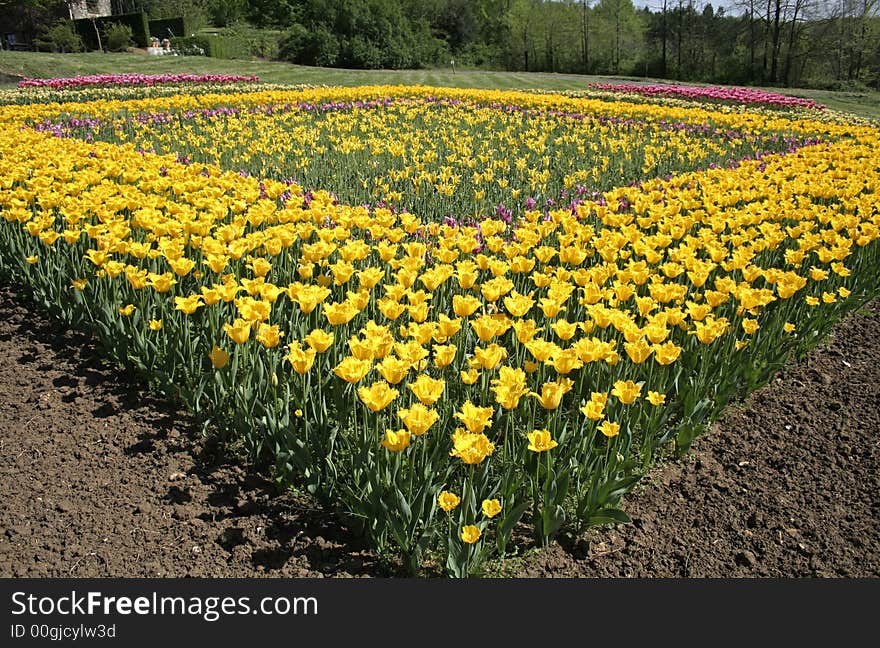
point(309, 47)
point(117, 37)
point(233, 43)
point(60, 37)
point(225, 13)
point(89, 28)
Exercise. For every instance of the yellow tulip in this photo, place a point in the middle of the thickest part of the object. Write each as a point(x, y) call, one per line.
point(239, 331)
point(609, 429)
point(552, 393)
point(299, 358)
point(666, 353)
point(750, 326)
point(470, 376)
point(490, 357)
point(393, 369)
point(638, 351)
point(161, 283)
point(444, 354)
point(491, 507)
point(219, 357)
point(351, 370)
point(518, 305)
point(471, 448)
point(565, 361)
point(395, 440)
point(418, 419)
point(340, 313)
point(448, 501)
point(428, 390)
point(377, 396)
point(475, 418)
point(541, 441)
point(564, 330)
point(509, 387)
point(626, 391)
point(465, 305)
point(188, 305)
point(319, 340)
point(470, 534)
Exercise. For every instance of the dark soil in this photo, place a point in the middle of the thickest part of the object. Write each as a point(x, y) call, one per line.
point(99, 479)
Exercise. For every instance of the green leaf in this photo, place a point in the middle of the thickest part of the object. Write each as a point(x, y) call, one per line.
point(551, 519)
point(509, 520)
point(456, 554)
point(610, 516)
point(403, 506)
point(562, 484)
point(621, 486)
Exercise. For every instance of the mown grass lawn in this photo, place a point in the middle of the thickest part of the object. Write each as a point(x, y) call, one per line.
point(45, 65)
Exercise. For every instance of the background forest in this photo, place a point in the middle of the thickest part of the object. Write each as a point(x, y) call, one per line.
point(831, 44)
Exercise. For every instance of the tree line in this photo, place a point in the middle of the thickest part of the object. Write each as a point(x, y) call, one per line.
point(817, 43)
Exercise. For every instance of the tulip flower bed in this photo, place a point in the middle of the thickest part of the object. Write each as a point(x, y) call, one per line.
point(48, 94)
point(115, 80)
point(726, 94)
point(444, 313)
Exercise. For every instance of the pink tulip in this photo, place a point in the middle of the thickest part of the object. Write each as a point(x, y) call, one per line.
point(133, 80)
point(721, 93)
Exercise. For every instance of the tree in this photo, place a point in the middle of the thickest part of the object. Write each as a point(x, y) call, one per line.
point(798, 9)
point(857, 35)
point(273, 13)
point(518, 20)
point(457, 23)
point(664, 34)
point(750, 7)
point(774, 47)
point(224, 13)
point(60, 37)
point(32, 16)
point(585, 34)
point(619, 33)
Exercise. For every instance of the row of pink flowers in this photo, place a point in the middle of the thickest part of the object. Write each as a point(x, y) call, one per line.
point(133, 80)
point(719, 93)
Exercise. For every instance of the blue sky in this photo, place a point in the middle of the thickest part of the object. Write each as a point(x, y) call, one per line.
point(656, 5)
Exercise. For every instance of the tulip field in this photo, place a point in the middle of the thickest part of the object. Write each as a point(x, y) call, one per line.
point(451, 316)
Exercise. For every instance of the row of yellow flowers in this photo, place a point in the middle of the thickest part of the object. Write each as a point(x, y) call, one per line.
point(444, 157)
point(395, 364)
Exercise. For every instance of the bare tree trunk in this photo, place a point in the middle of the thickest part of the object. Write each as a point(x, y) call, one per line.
point(767, 23)
point(585, 12)
point(860, 52)
point(617, 40)
point(867, 12)
point(840, 41)
point(663, 36)
point(680, 30)
point(774, 65)
point(98, 34)
point(752, 42)
point(792, 32)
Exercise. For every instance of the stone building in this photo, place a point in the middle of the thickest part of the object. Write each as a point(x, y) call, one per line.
point(89, 8)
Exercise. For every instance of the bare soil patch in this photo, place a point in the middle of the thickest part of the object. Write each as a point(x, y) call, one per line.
point(101, 479)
